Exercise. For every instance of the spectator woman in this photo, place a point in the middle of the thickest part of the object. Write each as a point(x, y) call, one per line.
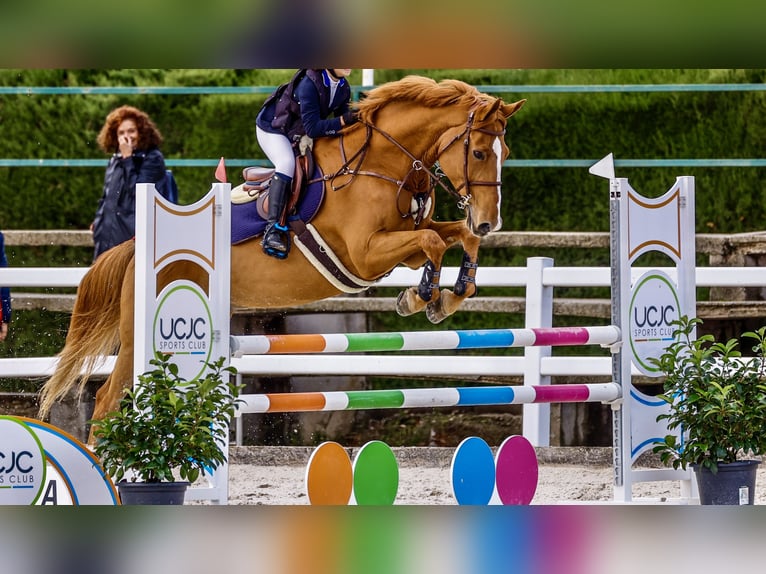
point(133, 141)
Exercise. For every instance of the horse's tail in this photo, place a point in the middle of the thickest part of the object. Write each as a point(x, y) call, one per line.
point(93, 327)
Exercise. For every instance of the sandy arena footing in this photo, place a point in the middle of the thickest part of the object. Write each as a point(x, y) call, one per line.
point(570, 475)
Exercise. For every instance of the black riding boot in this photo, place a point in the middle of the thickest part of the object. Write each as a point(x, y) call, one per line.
point(276, 237)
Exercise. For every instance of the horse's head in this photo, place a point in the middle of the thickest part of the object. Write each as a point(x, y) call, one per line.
point(471, 157)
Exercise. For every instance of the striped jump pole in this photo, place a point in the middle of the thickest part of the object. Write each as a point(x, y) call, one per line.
point(423, 340)
point(434, 397)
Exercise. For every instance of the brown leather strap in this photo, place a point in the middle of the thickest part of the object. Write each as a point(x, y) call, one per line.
point(303, 235)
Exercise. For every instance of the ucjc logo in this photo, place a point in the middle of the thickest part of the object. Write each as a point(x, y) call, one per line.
point(16, 462)
point(16, 469)
point(22, 462)
point(184, 327)
point(654, 316)
point(181, 329)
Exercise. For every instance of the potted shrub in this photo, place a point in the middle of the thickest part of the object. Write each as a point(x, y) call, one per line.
point(717, 402)
point(167, 429)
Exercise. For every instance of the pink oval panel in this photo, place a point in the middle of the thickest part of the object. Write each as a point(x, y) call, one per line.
point(516, 471)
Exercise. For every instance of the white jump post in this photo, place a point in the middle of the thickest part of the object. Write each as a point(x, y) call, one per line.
point(187, 319)
point(643, 308)
point(536, 418)
point(368, 77)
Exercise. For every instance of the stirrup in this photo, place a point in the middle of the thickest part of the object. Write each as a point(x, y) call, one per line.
point(270, 251)
point(283, 233)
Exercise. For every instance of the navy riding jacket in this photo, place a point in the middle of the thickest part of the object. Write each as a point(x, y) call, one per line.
point(115, 220)
point(312, 97)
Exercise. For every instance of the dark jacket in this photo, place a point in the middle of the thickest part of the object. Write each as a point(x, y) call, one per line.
point(115, 219)
point(307, 108)
point(5, 292)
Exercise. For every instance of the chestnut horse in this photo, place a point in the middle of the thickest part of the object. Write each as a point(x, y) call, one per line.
point(380, 177)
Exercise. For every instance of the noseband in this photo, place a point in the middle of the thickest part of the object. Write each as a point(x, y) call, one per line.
point(351, 166)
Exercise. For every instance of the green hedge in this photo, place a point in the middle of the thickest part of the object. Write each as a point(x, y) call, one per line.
point(551, 126)
point(645, 125)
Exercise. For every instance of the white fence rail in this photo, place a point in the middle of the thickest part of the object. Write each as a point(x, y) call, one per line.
point(60, 277)
point(539, 279)
point(536, 283)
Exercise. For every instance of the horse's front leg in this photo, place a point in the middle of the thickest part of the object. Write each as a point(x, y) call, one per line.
point(386, 249)
point(465, 284)
point(465, 287)
point(439, 304)
point(427, 292)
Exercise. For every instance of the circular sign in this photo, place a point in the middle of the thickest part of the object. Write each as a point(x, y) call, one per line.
point(653, 307)
point(22, 463)
point(329, 475)
point(376, 475)
point(183, 327)
point(473, 472)
point(517, 471)
point(74, 475)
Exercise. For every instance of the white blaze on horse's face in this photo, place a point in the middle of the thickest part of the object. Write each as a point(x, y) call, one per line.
point(485, 186)
point(497, 147)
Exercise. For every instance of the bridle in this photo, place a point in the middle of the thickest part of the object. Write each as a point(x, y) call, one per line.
point(464, 199)
point(352, 165)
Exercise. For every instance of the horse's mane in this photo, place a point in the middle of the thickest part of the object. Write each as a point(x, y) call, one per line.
point(420, 90)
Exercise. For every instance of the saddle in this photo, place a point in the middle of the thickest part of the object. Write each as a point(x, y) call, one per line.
point(257, 181)
point(249, 207)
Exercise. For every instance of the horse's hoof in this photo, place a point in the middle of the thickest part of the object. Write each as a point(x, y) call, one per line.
point(435, 312)
point(402, 308)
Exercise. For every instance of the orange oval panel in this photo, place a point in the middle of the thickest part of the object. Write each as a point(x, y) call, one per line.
point(329, 475)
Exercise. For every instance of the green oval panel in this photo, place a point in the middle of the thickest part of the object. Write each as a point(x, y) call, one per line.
point(376, 475)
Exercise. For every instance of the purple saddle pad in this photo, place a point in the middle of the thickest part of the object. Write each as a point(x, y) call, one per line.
point(247, 222)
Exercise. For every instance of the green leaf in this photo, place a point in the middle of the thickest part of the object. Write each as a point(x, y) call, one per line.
point(174, 425)
point(715, 396)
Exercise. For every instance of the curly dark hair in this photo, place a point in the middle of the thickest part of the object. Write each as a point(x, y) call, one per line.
point(149, 135)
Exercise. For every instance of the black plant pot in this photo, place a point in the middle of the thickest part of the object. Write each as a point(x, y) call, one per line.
point(132, 493)
point(733, 484)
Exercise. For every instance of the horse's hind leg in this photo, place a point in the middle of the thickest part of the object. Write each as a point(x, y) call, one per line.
point(109, 394)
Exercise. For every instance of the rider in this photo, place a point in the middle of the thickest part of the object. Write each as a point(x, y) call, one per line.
point(301, 107)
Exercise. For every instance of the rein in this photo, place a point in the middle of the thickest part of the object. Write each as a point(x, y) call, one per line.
point(437, 176)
